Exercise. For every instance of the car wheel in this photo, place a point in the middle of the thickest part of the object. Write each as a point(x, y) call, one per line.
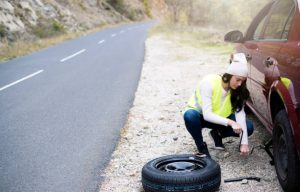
point(285, 155)
point(181, 173)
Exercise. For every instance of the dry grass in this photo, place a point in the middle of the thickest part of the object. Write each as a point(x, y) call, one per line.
point(208, 39)
point(19, 48)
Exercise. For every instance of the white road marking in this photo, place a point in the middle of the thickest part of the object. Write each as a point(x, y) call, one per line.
point(113, 35)
point(122, 31)
point(102, 41)
point(20, 80)
point(71, 56)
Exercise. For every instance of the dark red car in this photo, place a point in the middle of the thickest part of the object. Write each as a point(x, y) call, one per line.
point(272, 47)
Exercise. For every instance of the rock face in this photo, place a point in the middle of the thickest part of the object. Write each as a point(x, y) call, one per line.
point(8, 18)
point(29, 16)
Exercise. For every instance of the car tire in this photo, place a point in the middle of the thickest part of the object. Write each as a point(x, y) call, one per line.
point(181, 173)
point(287, 163)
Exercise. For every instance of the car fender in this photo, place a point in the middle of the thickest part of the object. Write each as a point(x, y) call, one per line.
point(279, 88)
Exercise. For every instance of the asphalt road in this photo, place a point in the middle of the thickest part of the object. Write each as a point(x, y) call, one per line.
point(62, 108)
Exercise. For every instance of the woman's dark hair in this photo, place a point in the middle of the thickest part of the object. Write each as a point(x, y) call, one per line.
point(239, 95)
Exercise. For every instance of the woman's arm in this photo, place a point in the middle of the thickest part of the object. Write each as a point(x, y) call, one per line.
point(241, 120)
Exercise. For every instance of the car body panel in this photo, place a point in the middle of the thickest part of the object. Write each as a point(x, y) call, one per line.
point(274, 67)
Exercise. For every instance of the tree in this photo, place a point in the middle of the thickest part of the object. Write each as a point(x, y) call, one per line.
point(175, 7)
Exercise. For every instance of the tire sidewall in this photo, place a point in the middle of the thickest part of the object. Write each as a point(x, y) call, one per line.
point(208, 177)
point(210, 164)
point(283, 128)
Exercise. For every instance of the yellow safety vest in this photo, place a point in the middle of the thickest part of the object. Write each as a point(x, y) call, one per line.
point(286, 82)
point(223, 110)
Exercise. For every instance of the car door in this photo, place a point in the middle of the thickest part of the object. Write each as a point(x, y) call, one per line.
point(266, 42)
point(288, 67)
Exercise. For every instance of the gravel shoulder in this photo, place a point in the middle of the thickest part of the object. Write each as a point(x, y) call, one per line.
point(155, 126)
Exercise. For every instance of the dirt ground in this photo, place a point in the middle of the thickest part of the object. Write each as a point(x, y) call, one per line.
point(155, 126)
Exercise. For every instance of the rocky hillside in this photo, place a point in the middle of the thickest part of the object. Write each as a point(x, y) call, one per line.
point(33, 19)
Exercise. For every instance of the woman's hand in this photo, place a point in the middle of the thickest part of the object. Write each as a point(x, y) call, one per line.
point(235, 126)
point(244, 149)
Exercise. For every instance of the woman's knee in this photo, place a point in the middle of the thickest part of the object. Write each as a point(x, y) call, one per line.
point(191, 116)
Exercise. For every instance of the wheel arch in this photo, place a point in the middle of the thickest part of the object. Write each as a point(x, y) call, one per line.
point(276, 104)
point(279, 98)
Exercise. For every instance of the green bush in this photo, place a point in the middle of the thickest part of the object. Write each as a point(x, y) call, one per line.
point(118, 5)
point(131, 15)
point(57, 26)
point(147, 8)
point(3, 30)
point(82, 6)
point(48, 29)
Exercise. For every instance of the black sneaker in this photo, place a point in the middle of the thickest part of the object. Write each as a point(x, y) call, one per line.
point(203, 151)
point(217, 138)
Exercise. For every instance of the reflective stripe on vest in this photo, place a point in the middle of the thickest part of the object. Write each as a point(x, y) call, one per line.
point(223, 110)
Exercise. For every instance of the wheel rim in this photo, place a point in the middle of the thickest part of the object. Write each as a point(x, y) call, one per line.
point(180, 165)
point(282, 155)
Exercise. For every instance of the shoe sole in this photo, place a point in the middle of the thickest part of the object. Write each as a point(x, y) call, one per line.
point(214, 147)
point(201, 155)
point(219, 148)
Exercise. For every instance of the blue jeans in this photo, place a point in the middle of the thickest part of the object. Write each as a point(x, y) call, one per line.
point(194, 123)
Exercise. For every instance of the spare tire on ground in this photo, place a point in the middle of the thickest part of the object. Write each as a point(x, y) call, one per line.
point(181, 173)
